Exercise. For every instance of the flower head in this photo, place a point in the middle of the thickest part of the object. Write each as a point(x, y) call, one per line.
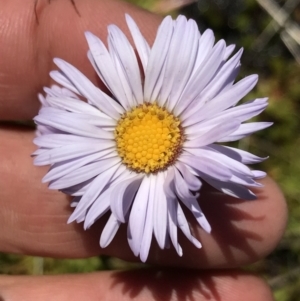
point(142, 151)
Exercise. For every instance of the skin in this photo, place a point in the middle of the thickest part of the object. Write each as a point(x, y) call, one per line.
point(33, 218)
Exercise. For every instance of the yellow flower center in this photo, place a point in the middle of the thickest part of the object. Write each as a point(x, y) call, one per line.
point(148, 138)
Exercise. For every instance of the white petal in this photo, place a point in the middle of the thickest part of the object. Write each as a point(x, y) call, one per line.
point(128, 60)
point(67, 124)
point(93, 192)
point(182, 190)
point(244, 180)
point(198, 82)
point(172, 223)
point(88, 90)
point(258, 174)
point(206, 43)
point(220, 78)
point(168, 185)
point(57, 140)
point(64, 168)
point(184, 44)
point(235, 190)
point(109, 231)
point(228, 51)
point(137, 216)
point(231, 97)
point(102, 204)
point(191, 180)
point(245, 130)
point(104, 123)
point(241, 113)
point(184, 226)
point(85, 173)
point(213, 135)
point(206, 166)
point(104, 66)
point(232, 189)
point(76, 106)
point(160, 211)
point(238, 154)
point(123, 195)
point(157, 58)
point(79, 189)
point(60, 78)
point(222, 159)
point(141, 44)
point(122, 75)
point(66, 152)
point(148, 231)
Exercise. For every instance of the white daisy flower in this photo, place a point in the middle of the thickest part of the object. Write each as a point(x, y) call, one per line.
point(142, 151)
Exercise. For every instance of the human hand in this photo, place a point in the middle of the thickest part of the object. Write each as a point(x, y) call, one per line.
point(34, 218)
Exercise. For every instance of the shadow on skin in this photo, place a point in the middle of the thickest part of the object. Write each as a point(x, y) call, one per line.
point(167, 284)
point(224, 216)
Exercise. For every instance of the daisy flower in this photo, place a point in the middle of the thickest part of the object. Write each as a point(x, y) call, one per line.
point(141, 151)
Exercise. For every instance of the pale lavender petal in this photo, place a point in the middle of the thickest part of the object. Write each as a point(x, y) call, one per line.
point(58, 140)
point(79, 189)
point(216, 85)
point(230, 97)
point(102, 204)
point(184, 44)
point(198, 82)
point(109, 231)
point(64, 168)
point(182, 189)
point(222, 159)
point(141, 44)
point(85, 173)
point(149, 223)
point(89, 91)
point(128, 60)
point(191, 180)
point(68, 125)
point(104, 66)
point(157, 58)
point(57, 91)
point(75, 105)
point(123, 195)
point(238, 154)
point(232, 189)
point(94, 190)
point(258, 174)
point(68, 152)
point(172, 224)
point(215, 134)
point(194, 207)
point(228, 51)
point(245, 130)
point(184, 226)
point(206, 43)
point(160, 211)
point(122, 75)
point(206, 166)
point(60, 78)
point(241, 113)
point(137, 216)
point(168, 185)
point(244, 180)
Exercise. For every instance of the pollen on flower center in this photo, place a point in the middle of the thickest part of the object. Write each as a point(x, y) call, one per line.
point(148, 138)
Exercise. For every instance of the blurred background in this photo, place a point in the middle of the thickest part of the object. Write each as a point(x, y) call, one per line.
point(270, 33)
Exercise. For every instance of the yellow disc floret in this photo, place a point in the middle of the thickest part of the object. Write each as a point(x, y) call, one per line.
point(148, 138)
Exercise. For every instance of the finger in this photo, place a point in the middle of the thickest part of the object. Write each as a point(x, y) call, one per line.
point(33, 219)
point(27, 47)
point(143, 285)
